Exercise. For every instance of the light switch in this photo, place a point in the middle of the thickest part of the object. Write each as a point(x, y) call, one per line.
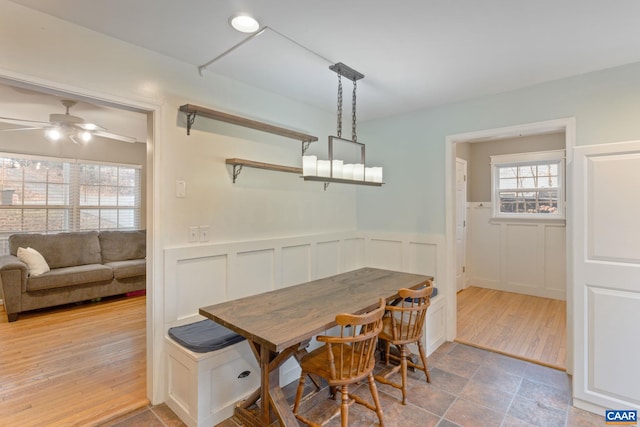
point(204, 233)
point(193, 234)
point(181, 188)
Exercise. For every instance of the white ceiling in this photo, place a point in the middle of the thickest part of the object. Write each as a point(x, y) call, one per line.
point(414, 53)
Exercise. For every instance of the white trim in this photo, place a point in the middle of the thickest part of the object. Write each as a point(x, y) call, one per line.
point(538, 156)
point(526, 159)
point(569, 126)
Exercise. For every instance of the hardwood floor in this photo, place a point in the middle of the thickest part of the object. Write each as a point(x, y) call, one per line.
point(78, 365)
point(527, 327)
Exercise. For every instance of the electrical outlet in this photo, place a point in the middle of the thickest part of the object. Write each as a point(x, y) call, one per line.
point(204, 233)
point(193, 234)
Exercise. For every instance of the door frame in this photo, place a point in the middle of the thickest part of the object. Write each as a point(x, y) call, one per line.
point(568, 125)
point(462, 163)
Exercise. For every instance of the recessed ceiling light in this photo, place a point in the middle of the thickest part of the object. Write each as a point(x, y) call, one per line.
point(244, 23)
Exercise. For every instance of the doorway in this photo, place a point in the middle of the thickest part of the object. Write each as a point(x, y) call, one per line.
point(565, 126)
point(25, 86)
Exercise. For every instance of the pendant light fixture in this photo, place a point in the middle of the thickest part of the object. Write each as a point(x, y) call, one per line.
point(336, 170)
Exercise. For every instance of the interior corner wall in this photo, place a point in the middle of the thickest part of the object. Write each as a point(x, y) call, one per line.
point(411, 147)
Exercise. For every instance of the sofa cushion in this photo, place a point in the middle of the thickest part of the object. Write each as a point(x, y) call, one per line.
point(35, 261)
point(128, 268)
point(61, 249)
point(121, 245)
point(70, 276)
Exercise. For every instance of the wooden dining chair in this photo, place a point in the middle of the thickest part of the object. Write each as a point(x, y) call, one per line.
point(402, 325)
point(344, 360)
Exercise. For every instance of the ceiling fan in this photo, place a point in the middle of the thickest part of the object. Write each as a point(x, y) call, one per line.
point(65, 125)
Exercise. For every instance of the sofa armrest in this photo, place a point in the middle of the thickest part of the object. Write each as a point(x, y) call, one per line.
point(13, 280)
point(9, 262)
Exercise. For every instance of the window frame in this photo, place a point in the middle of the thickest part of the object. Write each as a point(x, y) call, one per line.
point(528, 159)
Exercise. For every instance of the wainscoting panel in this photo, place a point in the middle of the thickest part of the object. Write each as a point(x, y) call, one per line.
point(386, 253)
point(423, 258)
point(527, 257)
point(522, 249)
point(200, 281)
point(253, 275)
point(484, 248)
point(353, 251)
point(555, 262)
point(328, 258)
point(295, 265)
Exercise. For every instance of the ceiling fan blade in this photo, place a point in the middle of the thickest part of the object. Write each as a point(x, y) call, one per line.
point(16, 129)
point(90, 127)
point(21, 122)
point(115, 136)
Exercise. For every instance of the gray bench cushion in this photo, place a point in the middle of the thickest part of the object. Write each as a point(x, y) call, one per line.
point(204, 336)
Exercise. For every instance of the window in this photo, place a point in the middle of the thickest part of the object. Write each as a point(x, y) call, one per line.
point(49, 195)
point(528, 185)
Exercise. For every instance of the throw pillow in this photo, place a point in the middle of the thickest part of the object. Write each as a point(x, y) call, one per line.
point(34, 260)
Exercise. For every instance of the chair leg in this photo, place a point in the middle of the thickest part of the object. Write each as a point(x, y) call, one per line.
point(387, 349)
point(403, 369)
point(376, 398)
point(344, 409)
point(424, 360)
point(299, 394)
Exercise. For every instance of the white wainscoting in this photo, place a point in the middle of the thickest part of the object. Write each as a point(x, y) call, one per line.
point(515, 256)
point(201, 275)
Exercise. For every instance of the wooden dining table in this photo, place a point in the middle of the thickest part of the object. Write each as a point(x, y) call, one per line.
point(276, 323)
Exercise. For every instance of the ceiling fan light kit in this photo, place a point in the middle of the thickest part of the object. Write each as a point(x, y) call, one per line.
point(66, 125)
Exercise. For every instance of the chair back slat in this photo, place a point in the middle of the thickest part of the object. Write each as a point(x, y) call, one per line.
point(351, 354)
point(407, 318)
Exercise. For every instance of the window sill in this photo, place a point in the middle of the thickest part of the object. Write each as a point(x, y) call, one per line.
point(542, 219)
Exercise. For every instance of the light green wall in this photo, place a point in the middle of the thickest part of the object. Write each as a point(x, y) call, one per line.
point(411, 147)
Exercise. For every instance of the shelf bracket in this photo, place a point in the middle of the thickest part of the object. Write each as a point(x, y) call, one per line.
point(326, 185)
point(236, 171)
point(305, 146)
point(191, 118)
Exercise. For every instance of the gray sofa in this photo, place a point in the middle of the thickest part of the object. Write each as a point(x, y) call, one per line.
point(83, 266)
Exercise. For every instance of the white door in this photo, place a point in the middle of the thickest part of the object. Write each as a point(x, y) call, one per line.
point(606, 270)
point(461, 223)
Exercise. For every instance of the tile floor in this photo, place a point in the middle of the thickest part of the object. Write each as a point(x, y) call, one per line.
point(469, 387)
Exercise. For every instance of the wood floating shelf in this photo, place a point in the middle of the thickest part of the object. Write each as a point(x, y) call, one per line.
point(238, 164)
point(194, 110)
point(328, 180)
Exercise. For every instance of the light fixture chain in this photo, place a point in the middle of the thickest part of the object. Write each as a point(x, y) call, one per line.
point(354, 136)
point(339, 105)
